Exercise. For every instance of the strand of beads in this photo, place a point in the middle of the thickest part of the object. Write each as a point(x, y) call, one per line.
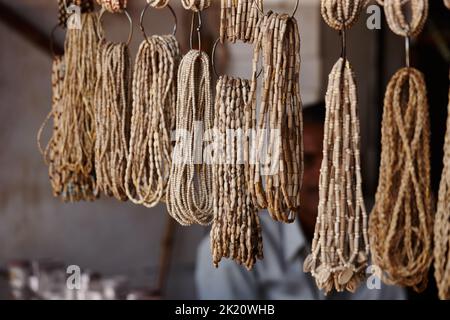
point(112, 117)
point(158, 4)
point(114, 6)
point(70, 152)
point(340, 246)
point(189, 192)
point(154, 101)
point(196, 5)
point(275, 161)
point(442, 223)
point(401, 221)
point(236, 230)
point(238, 20)
point(340, 14)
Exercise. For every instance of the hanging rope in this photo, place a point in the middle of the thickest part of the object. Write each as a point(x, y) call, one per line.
point(236, 230)
point(275, 180)
point(70, 152)
point(238, 20)
point(112, 116)
point(196, 5)
point(401, 221)
point(189, 193)
point(154, 101)
point(442, 223)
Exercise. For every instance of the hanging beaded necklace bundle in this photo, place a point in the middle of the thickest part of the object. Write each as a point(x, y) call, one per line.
point(154, 102)
point(340, 247)
point(236, 230)
point(442, 223)
point(238, 19)
point(196, 5)
point(70, 152)
point(112, 112)
point(401, 220)
point(275, 176)
point(442, 219)
point(189, 192)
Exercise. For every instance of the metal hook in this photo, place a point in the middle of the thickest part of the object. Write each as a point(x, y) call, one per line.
point(407, 49)
point(141, 20)
point(213, 59)
point(100, 34)
point(292, 15)
point(199, 28)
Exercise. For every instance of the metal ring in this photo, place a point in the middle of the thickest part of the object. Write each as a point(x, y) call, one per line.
point(292, 15)
point(141, 20)
point(213, 59)
point(199, 28)
point(52, 39)
point(102, 12)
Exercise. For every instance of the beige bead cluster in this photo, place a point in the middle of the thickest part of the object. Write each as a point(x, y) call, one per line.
point(340, 246)
point(340, 14)
point(113, 5)
point(236, 230)
point(189, 192)
point(442, 223)
point(63, 5)
point(401, 221)
point(447, 3)
point(274, 177)
point(158, 4)
point(70, 152)
point(397, 20)
point(154, 101)
point(196, 5)
point(112, 118)
point(238, 19)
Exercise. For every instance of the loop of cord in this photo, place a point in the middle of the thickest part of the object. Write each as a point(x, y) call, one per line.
point(158, 4)
point(114, 6)
point(276, 158)
point(401, 223)
point(442, 223)
point(189, 192)
point(63, 6)
point(238, 20)
point(196, 5)
point(236, 230)
point(397, 20)
point(152, 122)
point(340, 247)
point(341, 14)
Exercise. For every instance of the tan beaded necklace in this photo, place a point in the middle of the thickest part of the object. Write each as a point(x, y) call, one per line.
point(112, 117)
point(340, 246)
point(236, 230)
point(70, 152)
point(238, 19)
point(401, 221)
point(154, 102)
point(189, 193)
point(447, 3)
point(279, 120)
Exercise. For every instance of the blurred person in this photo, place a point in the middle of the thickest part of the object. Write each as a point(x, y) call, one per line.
point(280, 274)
